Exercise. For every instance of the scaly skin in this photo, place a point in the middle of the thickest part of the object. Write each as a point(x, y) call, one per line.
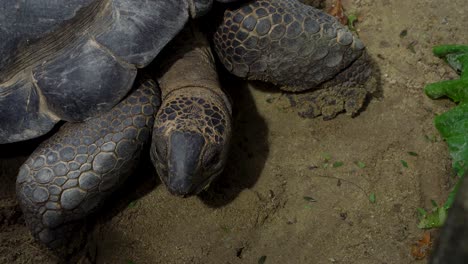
point(285, 42)
point(192, 130)
point(72, 173)
point(298, 48)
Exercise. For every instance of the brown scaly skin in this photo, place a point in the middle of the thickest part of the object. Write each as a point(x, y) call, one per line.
point(297, 48)
point(72, 173)
point(192, 130)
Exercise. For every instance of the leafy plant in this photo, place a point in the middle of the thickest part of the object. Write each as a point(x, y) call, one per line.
point(352, 19)
point(404, 163)
point(360, 164)
point(337, 164)
point(452, 125)
point(435, 218)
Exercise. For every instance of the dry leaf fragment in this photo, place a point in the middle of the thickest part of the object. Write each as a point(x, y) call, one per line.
point(337, 11)
point(422, 248)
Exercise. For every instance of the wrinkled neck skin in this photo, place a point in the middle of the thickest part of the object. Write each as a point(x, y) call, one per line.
point(192, 65)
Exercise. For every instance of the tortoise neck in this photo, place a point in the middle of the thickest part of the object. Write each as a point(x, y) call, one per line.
point(191, 63)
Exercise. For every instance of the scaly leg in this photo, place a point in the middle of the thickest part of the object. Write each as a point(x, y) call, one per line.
point(72, 173)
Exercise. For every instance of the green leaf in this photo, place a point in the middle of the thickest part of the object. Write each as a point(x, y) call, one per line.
point(434, 219)
point(352, 18)
point(422, 212)
point(132, 204)
point(444, 50)
point(452, 125)
point(404, 163)
point(454, 89)
point(326, 157)
point(309, 199)
point(439, 213)
point(360, 164)
point(372, 198)
point(337, 164)
point(414, 154)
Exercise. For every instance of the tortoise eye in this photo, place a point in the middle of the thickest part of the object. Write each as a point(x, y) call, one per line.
point(211, 157)
point(160, 149)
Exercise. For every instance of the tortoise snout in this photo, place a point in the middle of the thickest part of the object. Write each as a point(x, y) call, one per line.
point(184, 162)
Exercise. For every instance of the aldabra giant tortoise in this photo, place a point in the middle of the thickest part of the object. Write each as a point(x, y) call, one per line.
point(77, 61)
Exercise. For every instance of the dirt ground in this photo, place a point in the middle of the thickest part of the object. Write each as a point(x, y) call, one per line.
point(280, 199)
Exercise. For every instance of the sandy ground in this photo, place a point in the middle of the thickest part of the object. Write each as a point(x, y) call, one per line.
point(257, 210)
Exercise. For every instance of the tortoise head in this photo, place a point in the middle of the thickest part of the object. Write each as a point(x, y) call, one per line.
point(190, 142)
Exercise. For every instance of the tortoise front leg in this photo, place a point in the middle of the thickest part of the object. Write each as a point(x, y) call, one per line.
point(193, 126)
point(297, 48)
point(72, 173)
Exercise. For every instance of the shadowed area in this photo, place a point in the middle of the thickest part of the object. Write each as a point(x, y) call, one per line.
point(249, 147)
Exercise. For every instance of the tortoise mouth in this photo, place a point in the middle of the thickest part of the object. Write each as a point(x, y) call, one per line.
point(187, 162)
point(207, 182)
point(188, 187)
